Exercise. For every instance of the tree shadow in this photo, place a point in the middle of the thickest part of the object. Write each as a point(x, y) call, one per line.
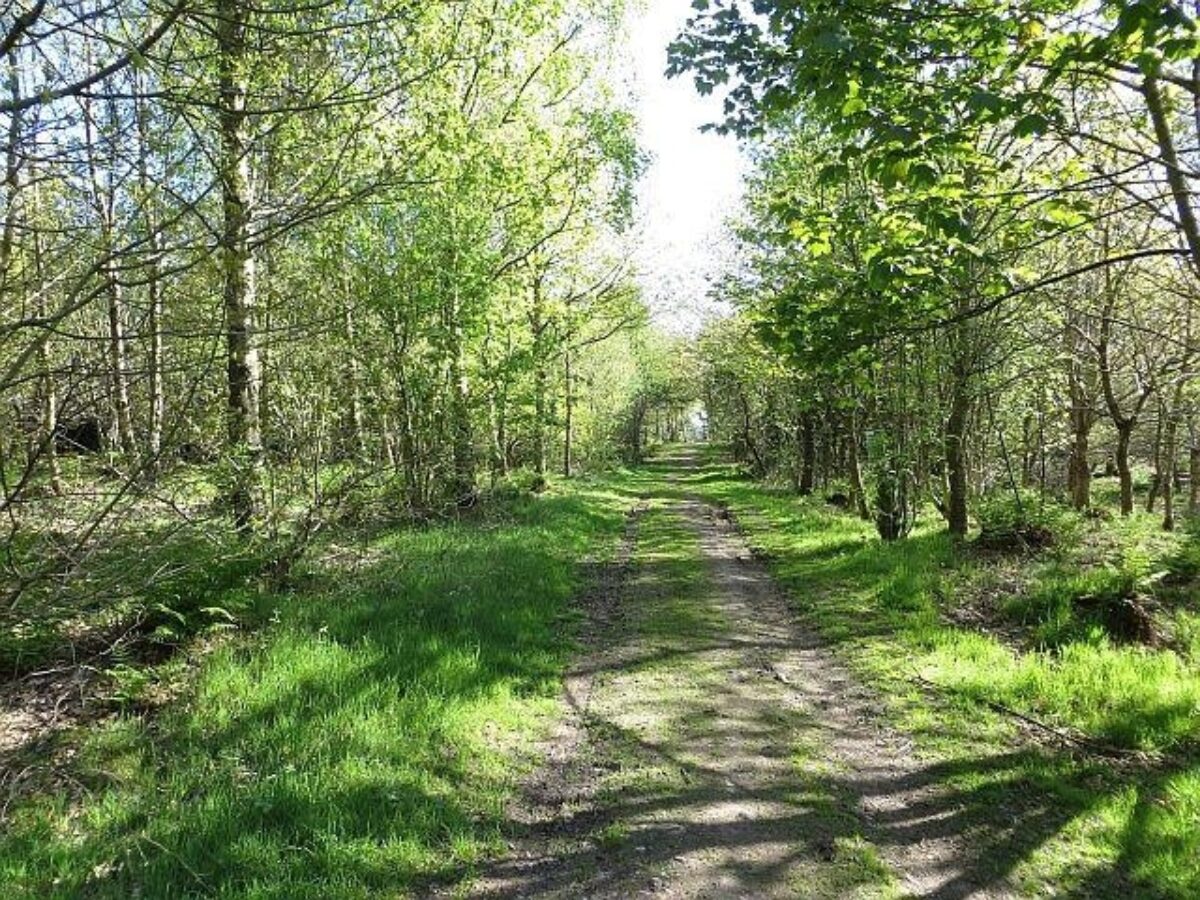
point(999, 809)
point(356, 742)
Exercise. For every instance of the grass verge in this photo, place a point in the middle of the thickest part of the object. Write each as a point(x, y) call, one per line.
point(362, 741)
point(1077, 823)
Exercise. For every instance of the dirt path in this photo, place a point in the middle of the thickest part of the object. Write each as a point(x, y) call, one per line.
point(715, 750)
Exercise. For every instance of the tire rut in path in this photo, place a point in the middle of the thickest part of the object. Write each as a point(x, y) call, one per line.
point(675, 773)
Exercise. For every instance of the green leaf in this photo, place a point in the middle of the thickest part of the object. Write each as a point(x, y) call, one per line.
point(1030, 125)
point(853, 105)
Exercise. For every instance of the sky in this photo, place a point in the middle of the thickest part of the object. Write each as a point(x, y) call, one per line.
point(694, 179)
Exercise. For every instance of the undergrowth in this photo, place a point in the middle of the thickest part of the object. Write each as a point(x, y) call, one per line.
point(365, 737)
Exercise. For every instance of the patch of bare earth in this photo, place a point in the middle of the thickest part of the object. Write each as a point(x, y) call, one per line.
point(738, 758)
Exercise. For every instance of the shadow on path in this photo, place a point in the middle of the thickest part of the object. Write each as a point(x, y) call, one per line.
point(739, 758)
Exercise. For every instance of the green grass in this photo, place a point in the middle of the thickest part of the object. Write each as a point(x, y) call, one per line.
point(886, 606)
point(364, 740)
point(362, 735)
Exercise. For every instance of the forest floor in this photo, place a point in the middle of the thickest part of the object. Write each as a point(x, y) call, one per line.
point(713, 747)
point(669, 682)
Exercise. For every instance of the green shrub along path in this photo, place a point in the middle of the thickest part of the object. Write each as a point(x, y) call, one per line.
point(667, 682)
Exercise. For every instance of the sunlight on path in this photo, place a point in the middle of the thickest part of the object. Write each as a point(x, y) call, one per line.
point(714, 750)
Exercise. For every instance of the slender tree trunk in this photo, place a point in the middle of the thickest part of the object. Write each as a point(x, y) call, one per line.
point(1156, 478)
point(568, 416)
point(462, 484)
point(1193, 503)
point(1079, 469)
point(496, 448)
point(49, 421)
point(406, 449)
point(760, 468)
point(854, 471)
point(154, 293)
point(497, 413)
point(1122, 422)
point(1028, 451)
point(1170, 450)
point(237, 262)
point(636, 424)
point(49, 383)
point(502, 431)
point(118, 359)
point(354, 380)
point(408, 444)
point(48, 418)
point(1124, 473)
point(12, 177)
point(539, 417)
point(808, 454)
point(104, 199)
point(389, 440)
point(156, 362)
point(956, 462)
point(1194, 474)
point(1175, 173)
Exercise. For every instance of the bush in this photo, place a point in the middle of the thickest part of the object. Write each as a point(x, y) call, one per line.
point(1023, 522)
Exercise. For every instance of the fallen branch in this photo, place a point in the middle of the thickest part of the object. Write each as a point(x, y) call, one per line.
point(1067, 737)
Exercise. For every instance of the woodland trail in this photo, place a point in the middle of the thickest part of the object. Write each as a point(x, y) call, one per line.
point(715, 749)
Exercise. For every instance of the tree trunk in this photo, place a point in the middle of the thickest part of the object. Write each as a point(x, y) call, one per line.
point(956, 462)
point(760, 469)
point(496, 448)
point(636, 423)
point(104, 201)
point(154, 295)
point(48, 418)
point(358, 426)
point(1079, 467)
point(808, 455)
point(408, 444)
point(1172, 170)
point(501, 448)
point(156, 362)
point(854, 471)
point(568, 416)
point(462, 483)
point(497, 402)
point(1170, 449)
point(49, 383)
point(539, 420)
point(389, 441)
point(1124, 473)
point(1193, 506)
point(12, 177)
point(1194, 480)
point(244, 438)
point(118, 360)
point(1156, 478)
point(1029, 451)
point(1124, 423)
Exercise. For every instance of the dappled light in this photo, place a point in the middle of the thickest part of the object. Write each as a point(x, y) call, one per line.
point(688, 449)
